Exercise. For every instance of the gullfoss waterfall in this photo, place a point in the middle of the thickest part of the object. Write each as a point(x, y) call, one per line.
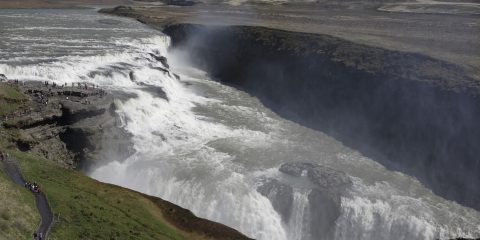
point(216, 150)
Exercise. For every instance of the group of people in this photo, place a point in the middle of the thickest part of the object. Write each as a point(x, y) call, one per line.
point(37, 236)
point(43, 99)
point(32, 187)
point(79, 85)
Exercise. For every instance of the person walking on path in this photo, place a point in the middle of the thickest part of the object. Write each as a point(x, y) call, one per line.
point(10, 167)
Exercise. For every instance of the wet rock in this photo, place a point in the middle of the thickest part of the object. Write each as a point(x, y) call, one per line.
point(280, 195)
point(324, 197)
point(164, 70)
point(176, 76)
point(161, 59)
point(156, 91)
point(323, 177)
point(324, 211)
point(3, 77)
point(132, 76)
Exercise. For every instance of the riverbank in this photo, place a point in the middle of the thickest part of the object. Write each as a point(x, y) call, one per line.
point(39, 123)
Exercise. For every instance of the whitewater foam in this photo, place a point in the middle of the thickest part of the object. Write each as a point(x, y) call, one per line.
point(206, 146)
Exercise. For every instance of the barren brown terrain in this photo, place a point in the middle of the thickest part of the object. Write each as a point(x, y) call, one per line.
point(452, 36)
point(56, 3)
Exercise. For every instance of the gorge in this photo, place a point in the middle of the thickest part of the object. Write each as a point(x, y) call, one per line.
point(278, 134)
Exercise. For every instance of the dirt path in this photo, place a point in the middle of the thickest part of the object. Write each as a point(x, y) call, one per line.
point(46, 214)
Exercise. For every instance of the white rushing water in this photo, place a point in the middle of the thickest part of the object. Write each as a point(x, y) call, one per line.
point(208, 147)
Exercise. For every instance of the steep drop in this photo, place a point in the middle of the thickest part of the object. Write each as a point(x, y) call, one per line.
point(409, 112)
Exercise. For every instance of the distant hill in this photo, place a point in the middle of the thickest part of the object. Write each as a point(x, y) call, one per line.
point(57, 3)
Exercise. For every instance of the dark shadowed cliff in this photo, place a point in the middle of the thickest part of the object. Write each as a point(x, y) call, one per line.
point(410, 112)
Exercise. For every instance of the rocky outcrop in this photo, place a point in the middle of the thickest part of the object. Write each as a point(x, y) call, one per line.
point(323, 177)
point(324, 187)
point(280, 195)
point(185, 220)
point(410, 112)
point(161, 59)
point(71, 125)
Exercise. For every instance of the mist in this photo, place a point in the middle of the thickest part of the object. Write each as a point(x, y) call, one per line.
point(385, 104)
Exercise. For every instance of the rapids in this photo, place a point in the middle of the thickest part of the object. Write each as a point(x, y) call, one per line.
point(208, 147)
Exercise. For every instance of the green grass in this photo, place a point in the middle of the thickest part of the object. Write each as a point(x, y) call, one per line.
point(89, 209)
point(18, 213)
point(11, 99)
point(85, 208)
point(11, 92)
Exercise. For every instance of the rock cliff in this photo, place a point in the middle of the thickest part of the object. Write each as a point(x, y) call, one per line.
point(411, 112)
point(67, 124)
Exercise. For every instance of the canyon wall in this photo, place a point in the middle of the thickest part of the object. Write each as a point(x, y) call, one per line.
point(412, 113)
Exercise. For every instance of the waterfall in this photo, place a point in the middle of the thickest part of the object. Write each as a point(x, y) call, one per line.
point(299, 224)
point(204, 146)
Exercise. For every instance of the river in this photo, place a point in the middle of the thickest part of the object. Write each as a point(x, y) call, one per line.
point(209, 147)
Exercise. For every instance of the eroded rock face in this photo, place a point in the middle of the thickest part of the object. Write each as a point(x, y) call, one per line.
point(280, 195)
point(324, 198)
point(69, 124)
point(321, 176)
point(409, 112)
point(323, 186)
point(161, 59)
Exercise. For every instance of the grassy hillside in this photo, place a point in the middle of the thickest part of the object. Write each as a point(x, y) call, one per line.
point(10, 99)
point(91, 210)
point(18, 215)
point(85, 208)
point(88, 209)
